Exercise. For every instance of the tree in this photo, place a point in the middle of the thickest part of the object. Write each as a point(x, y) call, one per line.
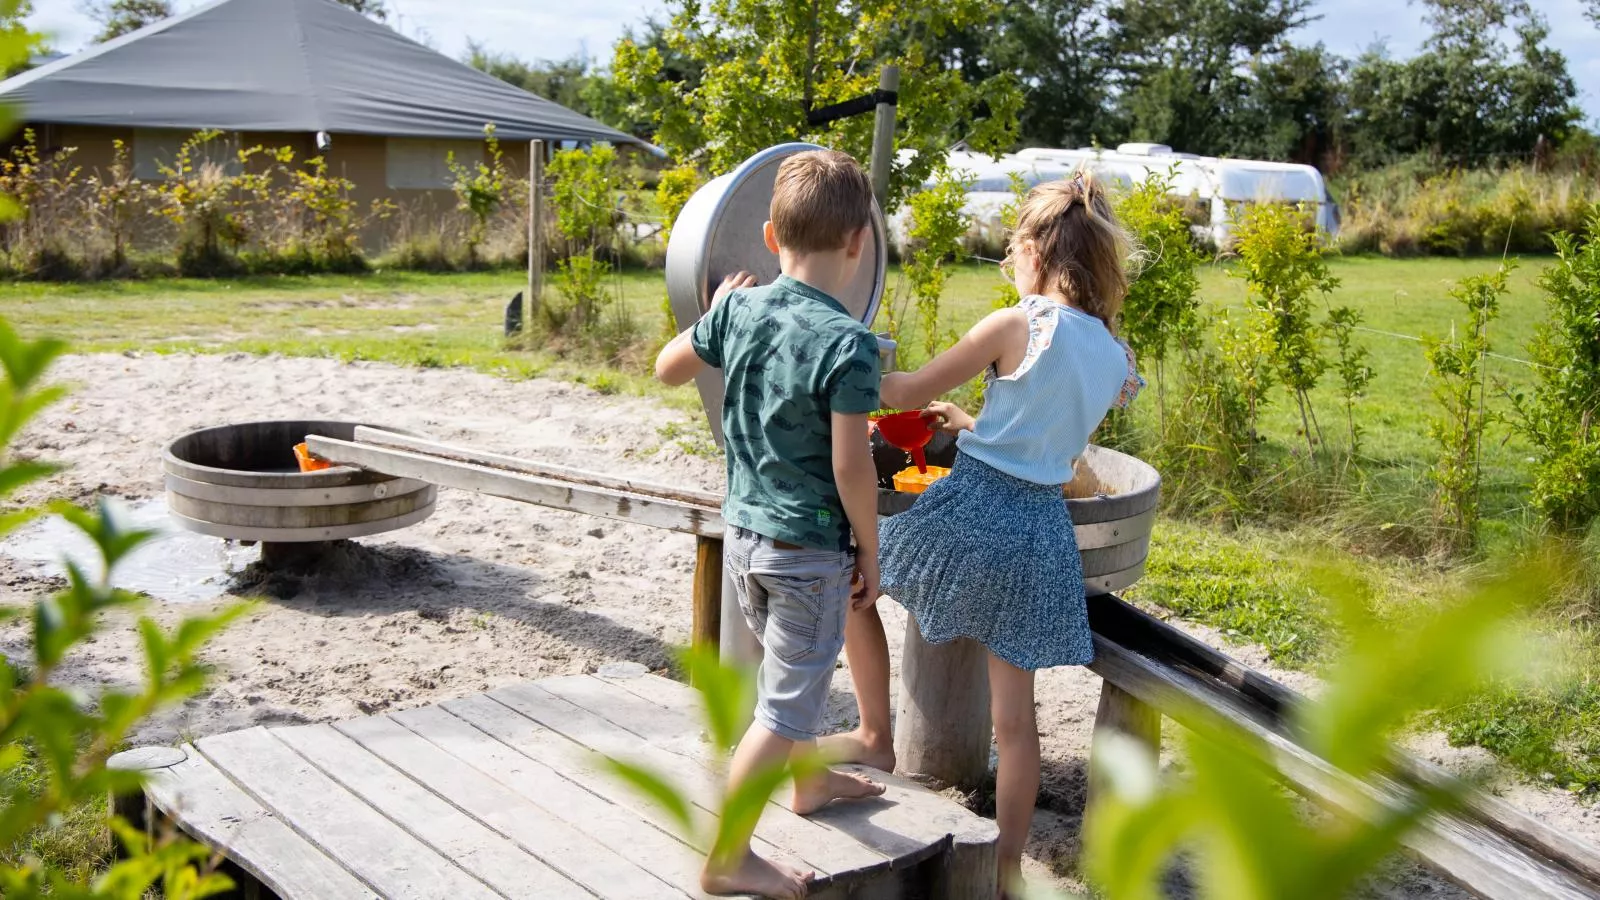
point(1059, 51)
point(373, 9)
point(561, 80)
point(1485, 85)
point(118, 17)
point(764, 64)
point(18, 45)
point(1181, 63)
point(1291, 107)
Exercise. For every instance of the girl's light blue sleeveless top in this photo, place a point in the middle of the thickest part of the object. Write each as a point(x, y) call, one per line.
point(1036, 421)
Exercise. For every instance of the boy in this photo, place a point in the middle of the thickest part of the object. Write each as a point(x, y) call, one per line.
point(801, 376)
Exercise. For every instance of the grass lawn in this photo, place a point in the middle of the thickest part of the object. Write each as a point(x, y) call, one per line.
point(1241, 581)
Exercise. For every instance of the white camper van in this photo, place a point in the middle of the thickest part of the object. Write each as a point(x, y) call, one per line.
point(1221, 187)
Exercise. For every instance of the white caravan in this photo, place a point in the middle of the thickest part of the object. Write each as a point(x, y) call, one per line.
point(1221, 187)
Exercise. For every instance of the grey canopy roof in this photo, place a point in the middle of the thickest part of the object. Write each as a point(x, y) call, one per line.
point(286, 65)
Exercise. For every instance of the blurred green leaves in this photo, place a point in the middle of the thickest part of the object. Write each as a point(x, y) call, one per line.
point(1244, 837)
point(54, 742)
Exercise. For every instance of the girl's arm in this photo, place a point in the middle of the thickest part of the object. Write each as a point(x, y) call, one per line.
point(1000, 338)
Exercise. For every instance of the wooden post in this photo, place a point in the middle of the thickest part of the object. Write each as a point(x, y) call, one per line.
point(535, 229)
point(135, 808)
point(1122, 712)
point(707, 622)
point(942, 723)
point(969, 868)
point(883, 138)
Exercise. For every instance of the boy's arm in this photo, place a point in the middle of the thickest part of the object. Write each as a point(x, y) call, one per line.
point(857, 480)
point(681, 359)
point(678, 361)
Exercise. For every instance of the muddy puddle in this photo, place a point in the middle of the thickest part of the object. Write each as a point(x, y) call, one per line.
point(177, 566)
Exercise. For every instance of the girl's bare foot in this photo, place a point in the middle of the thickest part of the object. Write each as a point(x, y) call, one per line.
point(754, 875)
point(857, 747)
point(816, 793)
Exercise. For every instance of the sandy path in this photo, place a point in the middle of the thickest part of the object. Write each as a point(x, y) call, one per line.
point(487, 592)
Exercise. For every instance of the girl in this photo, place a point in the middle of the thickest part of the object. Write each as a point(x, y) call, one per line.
point(988, 552)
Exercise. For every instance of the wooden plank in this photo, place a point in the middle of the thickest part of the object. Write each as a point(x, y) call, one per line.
point(616, 827)
point(706, 629)
point(819, 847)
point(576, 855)
point(1464, 851)
point(581, 766)
point(489, 856)
point(637, 508)
point(380, 438)
point(378, 851)
point(909, 824)
point(209, 806)
point(1561, 848)
point(575, 762)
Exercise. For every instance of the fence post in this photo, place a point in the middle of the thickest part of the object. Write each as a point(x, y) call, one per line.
point(883, 136)
point(535, 228)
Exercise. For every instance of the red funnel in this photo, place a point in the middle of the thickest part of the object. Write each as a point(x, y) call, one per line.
point(910, 432)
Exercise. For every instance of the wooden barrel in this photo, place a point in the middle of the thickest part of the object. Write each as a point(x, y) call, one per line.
point(1112, 501)
point(243, 482)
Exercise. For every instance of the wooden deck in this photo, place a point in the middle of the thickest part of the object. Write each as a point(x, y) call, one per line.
point(502, 795)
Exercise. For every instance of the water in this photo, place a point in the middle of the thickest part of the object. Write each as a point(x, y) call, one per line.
point(177, 566)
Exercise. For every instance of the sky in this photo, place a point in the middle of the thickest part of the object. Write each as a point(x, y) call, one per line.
point(547, 29)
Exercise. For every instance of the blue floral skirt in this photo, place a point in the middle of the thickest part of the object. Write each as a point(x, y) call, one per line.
point(991, 557)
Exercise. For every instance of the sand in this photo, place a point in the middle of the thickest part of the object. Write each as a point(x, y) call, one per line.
point(486, 592)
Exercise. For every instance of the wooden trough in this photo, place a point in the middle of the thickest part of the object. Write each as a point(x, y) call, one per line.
point(242, 482)
point(505, 795)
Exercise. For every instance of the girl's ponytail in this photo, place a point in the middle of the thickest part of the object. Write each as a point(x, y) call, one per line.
point(1083, 250)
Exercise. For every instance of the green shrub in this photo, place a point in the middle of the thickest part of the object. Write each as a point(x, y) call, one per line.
point(1414, 208)
point(1456, 365)
point(1281, 261)
point(1162, 310)
point(1559, 418)
point(584, 189)
point(480, 190)
point(934, 233)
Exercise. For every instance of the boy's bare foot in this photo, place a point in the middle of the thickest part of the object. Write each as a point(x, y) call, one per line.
point(817, 793)
point(754, 875)
point(856, 747)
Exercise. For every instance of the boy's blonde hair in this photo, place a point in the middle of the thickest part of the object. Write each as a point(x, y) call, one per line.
point(1083, 250)
point(820, 199)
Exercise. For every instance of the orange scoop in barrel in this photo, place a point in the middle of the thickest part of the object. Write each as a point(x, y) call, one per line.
point(910, 432)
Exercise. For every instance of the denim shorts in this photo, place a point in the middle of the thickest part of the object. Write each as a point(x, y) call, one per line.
point(795, 600)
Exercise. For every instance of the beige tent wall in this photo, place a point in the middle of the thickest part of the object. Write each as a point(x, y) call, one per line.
point(363, 159)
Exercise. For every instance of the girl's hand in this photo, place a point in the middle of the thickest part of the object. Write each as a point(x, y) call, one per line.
point(951, 418)
point(734, 282)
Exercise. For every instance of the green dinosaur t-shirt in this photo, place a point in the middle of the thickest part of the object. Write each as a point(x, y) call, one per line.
point(790, 357)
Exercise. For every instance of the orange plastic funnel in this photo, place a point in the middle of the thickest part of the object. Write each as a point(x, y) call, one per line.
point(910, 432)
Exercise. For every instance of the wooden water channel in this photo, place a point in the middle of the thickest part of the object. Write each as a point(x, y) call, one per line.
point(457, 798)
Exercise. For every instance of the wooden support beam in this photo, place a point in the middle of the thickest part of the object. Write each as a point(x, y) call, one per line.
point(942, 725)
point(377, 437)
point(1123, 713)
point(707, 623)
point(659, 512)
